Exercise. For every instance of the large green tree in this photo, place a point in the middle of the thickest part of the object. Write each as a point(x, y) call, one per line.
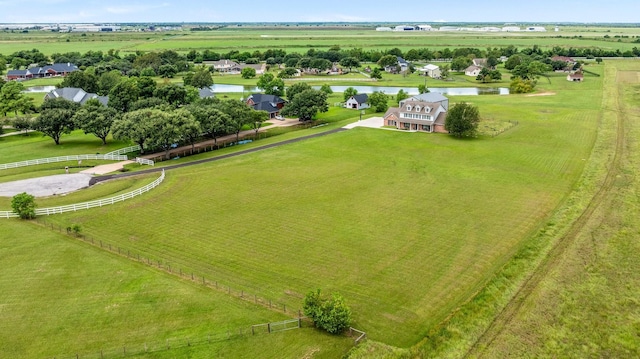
point(54, 123)
point(348, 92)
point(173, 94)
point(271, 85)
point(12, 99)
point(135, 126)
point(124, 94)
point(460, 63)
point(239, 115)
point(81, 79)
point(350, 62)
point(379, 101)
point(108, 81)
point(306, 104)
point(388, 60)
point(462, 120)
point(297, 88)
point(96, 119)
point(256, 119)
point(201, 78)
point(213, 122)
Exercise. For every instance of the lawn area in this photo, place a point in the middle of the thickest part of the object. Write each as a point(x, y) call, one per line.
point(83, 300)
point(19, 148)
point(436, 216)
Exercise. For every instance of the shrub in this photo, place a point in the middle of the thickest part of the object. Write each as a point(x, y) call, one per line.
point(24, 205)
point(332, 315)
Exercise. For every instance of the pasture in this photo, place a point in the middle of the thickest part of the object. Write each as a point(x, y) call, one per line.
point(416, 231)
point(302, 39)
point(85, 301)
point(406, 226)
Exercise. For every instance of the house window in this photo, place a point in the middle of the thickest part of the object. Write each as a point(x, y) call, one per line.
point(417, 108)
point(409, 108)
point(426, 128)
point(427, 109)
point(406, 125)
point(428, 118)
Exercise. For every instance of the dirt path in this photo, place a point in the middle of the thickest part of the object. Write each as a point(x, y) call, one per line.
point(555, 255)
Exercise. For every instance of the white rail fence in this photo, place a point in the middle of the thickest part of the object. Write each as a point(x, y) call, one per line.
point(144, 161)
point(123, 151)
point(92, 204)
point(62, 159)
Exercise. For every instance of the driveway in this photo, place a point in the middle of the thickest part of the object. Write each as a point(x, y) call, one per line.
point(373, 122)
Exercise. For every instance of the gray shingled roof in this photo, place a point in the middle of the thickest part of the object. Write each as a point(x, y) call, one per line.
point(361, 98)
point(76, 95)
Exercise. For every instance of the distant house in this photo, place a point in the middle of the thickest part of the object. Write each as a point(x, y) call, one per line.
point(270, 103)
point(42, 71)
point(357, 102)
point(400, 67)
point(473, 71)
point(480, 62)
point(426, 113)
point(431, 70)
point(76, 95)
point(577, 76)
point(260, 68)
point(224, 66)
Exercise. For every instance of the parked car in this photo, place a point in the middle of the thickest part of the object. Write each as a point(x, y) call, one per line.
point(279, 118)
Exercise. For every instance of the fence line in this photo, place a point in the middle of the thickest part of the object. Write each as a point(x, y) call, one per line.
point(62, 159)
point(144, 161)
point(164, 265)
point(238, 332)
point(361, 335)
point(123, 151)
point(101, 202)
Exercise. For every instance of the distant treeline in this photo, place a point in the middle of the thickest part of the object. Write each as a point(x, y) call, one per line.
point(135, 62)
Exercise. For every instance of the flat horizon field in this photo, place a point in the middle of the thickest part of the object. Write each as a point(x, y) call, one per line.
point(406, 226)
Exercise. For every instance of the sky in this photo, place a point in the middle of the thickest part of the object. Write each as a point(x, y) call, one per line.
point(427, 12)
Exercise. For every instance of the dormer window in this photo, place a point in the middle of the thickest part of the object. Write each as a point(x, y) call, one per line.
point(417, 108)
point(408, 107)
point(427, 109)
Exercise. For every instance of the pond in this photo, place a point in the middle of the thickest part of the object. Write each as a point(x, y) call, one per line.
point(37, 89)
point(389, 90)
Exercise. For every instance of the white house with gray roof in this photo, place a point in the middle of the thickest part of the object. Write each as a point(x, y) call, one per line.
point(76, 95)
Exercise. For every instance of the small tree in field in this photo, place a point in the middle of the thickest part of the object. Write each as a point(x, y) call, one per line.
point(24, 205)
point(332, 315)
point(462, 120)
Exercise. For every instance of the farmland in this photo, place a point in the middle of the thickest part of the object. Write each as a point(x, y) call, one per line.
point(411, 229)
point(300, 40)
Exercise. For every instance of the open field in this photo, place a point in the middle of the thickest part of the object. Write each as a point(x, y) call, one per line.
point(300, 40)
point(366, 191)
point(584, 303)
point(83, 301)
point(418, 232)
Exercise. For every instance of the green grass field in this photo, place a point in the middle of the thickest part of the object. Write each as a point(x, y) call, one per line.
point(418, 232)
point(302, 39)
point(435, 216)
point(83, 301)
point(586, 304)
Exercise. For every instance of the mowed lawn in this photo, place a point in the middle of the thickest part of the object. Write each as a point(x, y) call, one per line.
point(59, 297)
point(405, 225)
